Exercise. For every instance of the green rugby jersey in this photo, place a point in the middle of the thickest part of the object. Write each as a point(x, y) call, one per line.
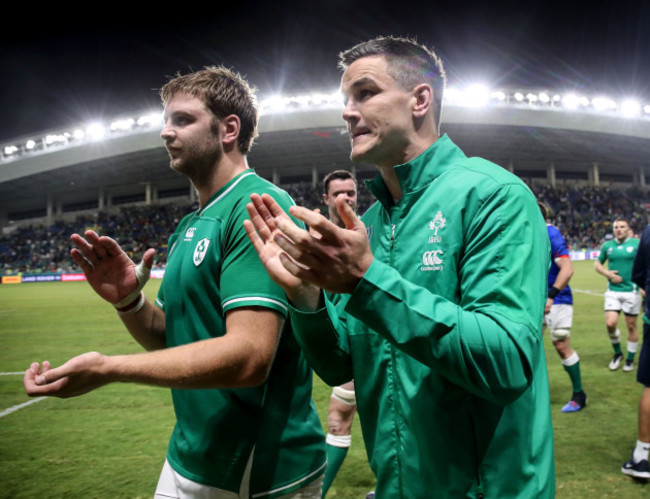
point(621, 258)
point(211, 268)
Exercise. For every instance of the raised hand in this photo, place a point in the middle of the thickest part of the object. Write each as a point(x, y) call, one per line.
point(108, 269)
point(331, 258)
point(259, 229)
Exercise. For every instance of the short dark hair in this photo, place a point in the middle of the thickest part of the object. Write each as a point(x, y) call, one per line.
point(544, 208)
point(224, 92)
point(337, 175)
point(409, 63)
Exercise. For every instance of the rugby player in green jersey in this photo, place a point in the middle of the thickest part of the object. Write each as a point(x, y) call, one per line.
point(621, 294)
point(246, 425)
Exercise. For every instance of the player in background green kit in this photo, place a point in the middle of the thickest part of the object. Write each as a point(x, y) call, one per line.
point(343, 404)
point(246, 425)
point(621, 294)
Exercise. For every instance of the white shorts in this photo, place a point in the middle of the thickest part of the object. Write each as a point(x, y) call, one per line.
point(559, 321)
point(172, 485)
point(629, 302)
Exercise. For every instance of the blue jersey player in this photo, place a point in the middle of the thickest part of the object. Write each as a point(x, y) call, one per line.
point(558, 313)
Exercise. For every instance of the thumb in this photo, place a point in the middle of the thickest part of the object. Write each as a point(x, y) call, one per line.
point(49, 376)
point(148, 257)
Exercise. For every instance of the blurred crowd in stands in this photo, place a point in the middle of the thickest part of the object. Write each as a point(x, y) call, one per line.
point(583, 214)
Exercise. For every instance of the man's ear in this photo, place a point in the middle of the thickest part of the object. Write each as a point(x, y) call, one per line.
point(423, 95)
point(230, 127)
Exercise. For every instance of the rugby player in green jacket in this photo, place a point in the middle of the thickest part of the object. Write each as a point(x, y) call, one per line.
point(439, 293)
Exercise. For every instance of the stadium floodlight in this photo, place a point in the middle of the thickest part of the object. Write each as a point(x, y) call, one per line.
point(646, 109)
point(499, 95)
point(452, 95)
point(476, 95)
point(630, 108)
point(519, 97)
point(95, 131)
point(331, 99)
point(273, 104)
point(9, 150)
point(152, 119)
point(123, 125)
point(603, 104)
point(544, 97)
point(571, 101)
point(52, 139)
point(302, 101)
point(78, 134)
point(30, 144)
point(531, 97)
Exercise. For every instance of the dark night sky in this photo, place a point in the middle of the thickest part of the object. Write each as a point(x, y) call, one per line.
point(61, 71)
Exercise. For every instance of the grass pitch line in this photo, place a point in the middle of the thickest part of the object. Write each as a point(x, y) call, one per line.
point(587, 292)
point(15, 408)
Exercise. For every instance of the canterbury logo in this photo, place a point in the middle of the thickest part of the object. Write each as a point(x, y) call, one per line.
point(432, 258)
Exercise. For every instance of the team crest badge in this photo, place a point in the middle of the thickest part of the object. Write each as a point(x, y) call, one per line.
point(200, 251)
point(438, 222)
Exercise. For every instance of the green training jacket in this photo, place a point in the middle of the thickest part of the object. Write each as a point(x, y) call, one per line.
point(443, 334)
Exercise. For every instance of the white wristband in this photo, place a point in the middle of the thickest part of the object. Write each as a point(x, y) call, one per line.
point(135, 308)
point(142, 275)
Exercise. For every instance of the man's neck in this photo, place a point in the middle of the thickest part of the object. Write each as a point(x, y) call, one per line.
point(222, 173)
point(416, 148)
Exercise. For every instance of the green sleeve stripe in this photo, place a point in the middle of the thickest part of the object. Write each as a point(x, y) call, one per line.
point(254, 300)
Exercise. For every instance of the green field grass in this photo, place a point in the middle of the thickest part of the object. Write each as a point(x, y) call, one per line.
point(111, 443)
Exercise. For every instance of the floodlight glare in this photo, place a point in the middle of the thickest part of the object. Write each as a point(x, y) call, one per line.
point(519, 96)
point(544, 97)
point(476, 95)
point(78, 134)
point(30, 144)
point(95, 131)
point(122, 125)
point(54, 139)
point(630, 108)
point(9, 150)
point(452, 94)
point(571, 101)
point(603, 103)
point(150, 120)
point(273, 104)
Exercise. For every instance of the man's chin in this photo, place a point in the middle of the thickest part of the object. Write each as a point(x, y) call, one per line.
point(178, 166)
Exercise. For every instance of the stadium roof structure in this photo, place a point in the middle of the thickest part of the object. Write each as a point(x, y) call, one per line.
point(535, 135)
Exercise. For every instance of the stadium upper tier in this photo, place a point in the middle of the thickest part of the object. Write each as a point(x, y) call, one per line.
point(538, 135)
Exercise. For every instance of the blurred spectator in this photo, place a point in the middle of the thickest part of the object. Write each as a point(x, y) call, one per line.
point(584, 214)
